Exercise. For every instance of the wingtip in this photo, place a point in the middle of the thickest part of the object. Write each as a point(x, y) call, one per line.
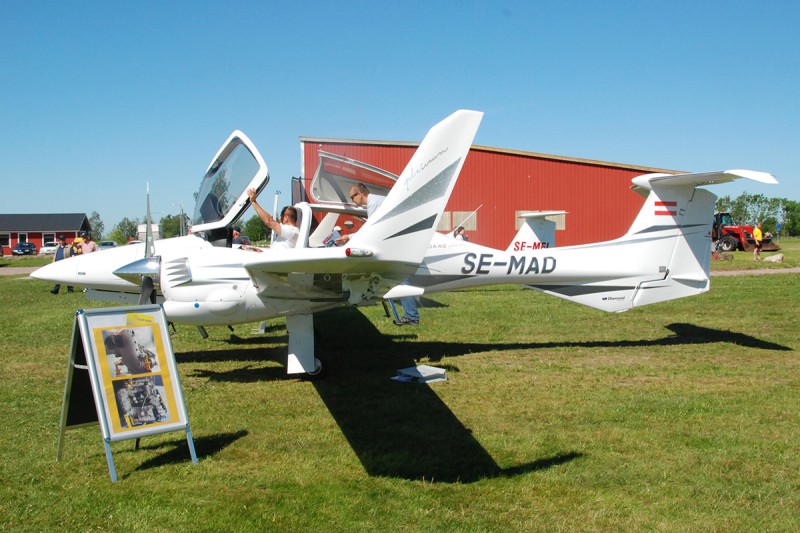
point(762, 177)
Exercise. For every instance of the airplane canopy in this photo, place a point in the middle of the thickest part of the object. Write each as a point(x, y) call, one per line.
point(222, 197)
point(336, 174)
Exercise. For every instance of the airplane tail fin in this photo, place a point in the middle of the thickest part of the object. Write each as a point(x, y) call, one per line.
point(402, 227)
point(666, 254)
point(676, 206)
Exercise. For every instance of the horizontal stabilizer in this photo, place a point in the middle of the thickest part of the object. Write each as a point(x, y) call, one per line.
point(648, 181)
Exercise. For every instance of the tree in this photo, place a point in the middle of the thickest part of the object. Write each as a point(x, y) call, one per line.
point(125, 230)
point(750, 209)
point(723, 204)
point(255, 229)
point(738, 208)
point(171, 225)
point(98, 229)
point(790, 215)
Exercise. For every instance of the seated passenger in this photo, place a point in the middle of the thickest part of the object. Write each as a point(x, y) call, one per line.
point(238, 240)
point(286, 231)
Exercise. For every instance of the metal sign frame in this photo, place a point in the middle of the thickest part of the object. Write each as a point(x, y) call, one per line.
point(128, 355)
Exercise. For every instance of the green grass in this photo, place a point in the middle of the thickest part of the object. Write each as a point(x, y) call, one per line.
point(678, 416)
point(25, 260)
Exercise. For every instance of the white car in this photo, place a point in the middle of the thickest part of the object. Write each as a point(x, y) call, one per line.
point(49, 248)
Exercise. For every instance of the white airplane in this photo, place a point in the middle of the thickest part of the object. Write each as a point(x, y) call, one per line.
point(202, 281)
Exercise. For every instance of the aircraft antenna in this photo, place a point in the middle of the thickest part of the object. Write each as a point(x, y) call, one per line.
point(468, 217)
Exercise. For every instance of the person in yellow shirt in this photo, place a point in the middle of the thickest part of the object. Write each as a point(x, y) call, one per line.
point(758, 237)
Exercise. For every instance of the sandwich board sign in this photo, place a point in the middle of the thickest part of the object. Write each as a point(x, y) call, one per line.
point(122, 374)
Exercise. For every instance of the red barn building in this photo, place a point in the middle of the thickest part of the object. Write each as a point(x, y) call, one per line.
point(40, 228)
point(501, 184)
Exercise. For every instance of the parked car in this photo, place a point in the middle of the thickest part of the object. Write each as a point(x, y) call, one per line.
point(24, 248)
point(135, 242)
point(105, 245)
point(49, 248)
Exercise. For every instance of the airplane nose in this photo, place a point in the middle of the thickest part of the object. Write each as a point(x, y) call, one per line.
point(58, 272)
point(93, 270)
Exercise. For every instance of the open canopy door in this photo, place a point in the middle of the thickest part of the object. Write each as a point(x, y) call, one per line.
point(222, 198)
point(337, 174)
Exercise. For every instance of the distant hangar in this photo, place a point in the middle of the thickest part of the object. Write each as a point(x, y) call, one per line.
point(597, 195)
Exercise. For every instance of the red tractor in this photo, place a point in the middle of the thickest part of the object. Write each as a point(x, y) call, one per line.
point(730, 237)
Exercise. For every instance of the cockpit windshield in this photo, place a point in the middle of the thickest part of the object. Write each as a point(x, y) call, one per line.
point(224, 183)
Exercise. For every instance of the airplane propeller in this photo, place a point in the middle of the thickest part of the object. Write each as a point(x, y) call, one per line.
point(146, 270)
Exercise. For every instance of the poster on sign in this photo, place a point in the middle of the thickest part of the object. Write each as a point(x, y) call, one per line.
point(122, 374)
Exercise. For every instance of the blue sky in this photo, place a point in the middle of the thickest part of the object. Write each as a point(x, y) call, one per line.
point(98, 98)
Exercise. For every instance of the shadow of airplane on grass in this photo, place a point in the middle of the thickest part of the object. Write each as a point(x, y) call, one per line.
point(405, 430)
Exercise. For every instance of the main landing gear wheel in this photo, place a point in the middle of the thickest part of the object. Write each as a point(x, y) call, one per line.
point(319, 372)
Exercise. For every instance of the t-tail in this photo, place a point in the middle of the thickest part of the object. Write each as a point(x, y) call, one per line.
point(665, 255)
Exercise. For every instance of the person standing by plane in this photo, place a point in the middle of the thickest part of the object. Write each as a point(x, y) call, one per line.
point(758, 236)
point(75, 249)
point(88, 245)
point(62, 252)
point(286, 231)
point(459, 234)
point(360, 195)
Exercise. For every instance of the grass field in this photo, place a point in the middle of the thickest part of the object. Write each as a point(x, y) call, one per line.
point(679, 416)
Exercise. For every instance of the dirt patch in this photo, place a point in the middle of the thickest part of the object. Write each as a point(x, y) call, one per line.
point(16, 271)
point(758, 272)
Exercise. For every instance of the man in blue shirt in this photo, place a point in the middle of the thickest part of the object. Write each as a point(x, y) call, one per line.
point(62, 252)
point(360, 195)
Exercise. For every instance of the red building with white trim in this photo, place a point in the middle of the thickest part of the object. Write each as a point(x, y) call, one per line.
point(40, 228)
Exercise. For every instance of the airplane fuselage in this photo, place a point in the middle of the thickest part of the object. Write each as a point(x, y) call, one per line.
point(569, 271)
